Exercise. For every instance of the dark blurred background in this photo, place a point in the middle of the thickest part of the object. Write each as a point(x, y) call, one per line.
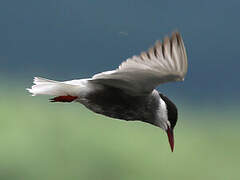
point(69, 39)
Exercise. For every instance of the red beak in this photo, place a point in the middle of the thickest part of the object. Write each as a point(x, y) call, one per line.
point(169, 132)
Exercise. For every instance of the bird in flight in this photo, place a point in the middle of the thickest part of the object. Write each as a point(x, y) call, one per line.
point(128, 92)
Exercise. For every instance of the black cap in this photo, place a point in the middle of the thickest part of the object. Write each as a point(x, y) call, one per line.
point(171, 111)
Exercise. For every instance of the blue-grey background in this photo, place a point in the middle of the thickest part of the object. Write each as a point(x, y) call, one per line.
point(74, 39)
point(68, 39)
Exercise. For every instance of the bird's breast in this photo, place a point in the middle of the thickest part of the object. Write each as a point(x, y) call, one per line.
point(115, 103)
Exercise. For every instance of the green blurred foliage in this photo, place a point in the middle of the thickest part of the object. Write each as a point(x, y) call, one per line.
point(47, 141)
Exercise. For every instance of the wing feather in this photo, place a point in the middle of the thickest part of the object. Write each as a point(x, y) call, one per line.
point(164, 62)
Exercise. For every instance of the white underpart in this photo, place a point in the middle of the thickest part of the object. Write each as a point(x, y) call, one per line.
point(55, 88)
point(162, 117)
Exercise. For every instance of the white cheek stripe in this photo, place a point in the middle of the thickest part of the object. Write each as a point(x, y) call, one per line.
point(162, 115)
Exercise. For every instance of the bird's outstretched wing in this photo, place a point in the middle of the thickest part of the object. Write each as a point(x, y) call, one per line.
point(164, 62)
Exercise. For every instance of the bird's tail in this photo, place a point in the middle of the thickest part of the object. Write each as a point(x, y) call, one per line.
point(63, 91)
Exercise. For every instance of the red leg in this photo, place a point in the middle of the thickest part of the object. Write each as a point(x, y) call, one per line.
point(67, 98)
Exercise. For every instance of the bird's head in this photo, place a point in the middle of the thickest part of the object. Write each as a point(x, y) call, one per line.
point(167, 119)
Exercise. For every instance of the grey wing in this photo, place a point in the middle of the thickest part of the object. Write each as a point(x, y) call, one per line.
point(164, 62)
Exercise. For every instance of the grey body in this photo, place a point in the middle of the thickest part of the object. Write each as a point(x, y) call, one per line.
point(116, 103)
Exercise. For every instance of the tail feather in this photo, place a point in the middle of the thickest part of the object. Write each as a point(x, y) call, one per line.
point(39, 80)
point(54, 88)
